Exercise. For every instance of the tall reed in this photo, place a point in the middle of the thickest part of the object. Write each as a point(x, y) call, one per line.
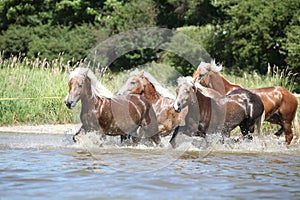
point(23, 78)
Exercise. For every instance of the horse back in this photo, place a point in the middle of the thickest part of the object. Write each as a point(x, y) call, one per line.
point(279, 100)
point(122, 114)
point(249, 101)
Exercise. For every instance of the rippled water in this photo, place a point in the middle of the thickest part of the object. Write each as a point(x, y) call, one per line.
point(51, 166)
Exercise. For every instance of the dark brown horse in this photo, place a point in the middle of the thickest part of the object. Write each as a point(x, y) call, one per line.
point(107, 114)
point(142, 83)
point(280, 105)
point(218, 114)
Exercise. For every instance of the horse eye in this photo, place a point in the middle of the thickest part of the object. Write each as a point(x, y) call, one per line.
point(80, 85)
point(201, 76)
point(132, 82)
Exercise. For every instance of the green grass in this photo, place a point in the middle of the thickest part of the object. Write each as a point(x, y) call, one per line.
point(22, 78)
point(274, 76)
point(33, 79)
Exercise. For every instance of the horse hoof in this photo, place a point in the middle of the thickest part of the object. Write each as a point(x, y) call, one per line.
point(161, 145)
point(76, 139)
point(248, 137)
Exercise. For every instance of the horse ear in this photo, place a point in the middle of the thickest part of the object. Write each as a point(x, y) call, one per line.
point(194, 88)
point(85, 73)
point(201, 65)
point(214, 67)
point(142, 74)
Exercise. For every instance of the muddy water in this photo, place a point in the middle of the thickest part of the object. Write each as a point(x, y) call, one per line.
point(51, 166)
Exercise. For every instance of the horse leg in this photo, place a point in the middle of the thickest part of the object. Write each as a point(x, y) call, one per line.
point(246, 129)
point(172, 140)
point(279, 132)
point(79, 133)
point(288, 133)
point(124, 138)
point(136, 136)
point(258, 123)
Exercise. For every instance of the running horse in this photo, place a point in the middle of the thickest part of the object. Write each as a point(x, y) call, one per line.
point(142, 83)
point(214, 113)
point(280, 105)
point(107, 114)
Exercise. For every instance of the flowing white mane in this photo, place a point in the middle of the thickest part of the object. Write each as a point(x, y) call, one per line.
point(158, 87)
point(208, 92)
point(212, 66)
point(97, 88)
point(185, 80)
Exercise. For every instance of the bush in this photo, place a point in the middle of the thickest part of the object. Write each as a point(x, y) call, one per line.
point(50, 41)
point(190, 44)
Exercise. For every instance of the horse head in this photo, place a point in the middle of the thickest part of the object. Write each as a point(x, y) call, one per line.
point(201, 75)
point(184, 93)
point(135, 83)
point(76, 88)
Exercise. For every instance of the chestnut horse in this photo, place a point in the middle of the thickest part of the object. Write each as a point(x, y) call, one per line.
point(108, 114)
point(216, 113)
point(280, 105)
point(142, 83)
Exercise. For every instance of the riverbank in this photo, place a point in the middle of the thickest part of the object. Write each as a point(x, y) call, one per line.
point(42, 129)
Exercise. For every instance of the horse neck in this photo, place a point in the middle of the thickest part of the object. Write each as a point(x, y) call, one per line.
point(203, 104)
point(150, 93)
point(87, 99)
point(219, 83)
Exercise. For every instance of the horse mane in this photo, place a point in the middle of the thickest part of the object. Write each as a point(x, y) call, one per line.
point(208, 92)
point(158, 87)
point(212, 66)
point(97, 88)
point(185, 79)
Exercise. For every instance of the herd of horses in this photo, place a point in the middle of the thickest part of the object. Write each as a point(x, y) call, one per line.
point(204, 104)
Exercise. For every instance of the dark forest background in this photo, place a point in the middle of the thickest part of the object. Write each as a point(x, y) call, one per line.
point(242, 35)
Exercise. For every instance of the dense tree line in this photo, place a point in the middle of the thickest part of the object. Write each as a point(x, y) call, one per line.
point(243, 35)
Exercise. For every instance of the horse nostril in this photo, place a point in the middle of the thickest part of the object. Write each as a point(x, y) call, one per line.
point(68, 104)
point(178, 104)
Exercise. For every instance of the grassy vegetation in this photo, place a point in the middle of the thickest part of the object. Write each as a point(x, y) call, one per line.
point(22, 78)
point(32, 79)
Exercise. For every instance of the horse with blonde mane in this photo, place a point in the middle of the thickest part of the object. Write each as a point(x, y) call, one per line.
point(280, 105)
point(142, 83)
point(210, 113)
point(108, 114)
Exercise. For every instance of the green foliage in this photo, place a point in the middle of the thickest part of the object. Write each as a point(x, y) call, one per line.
point(291, 43)
point(255, 30)
point(243, 35)
point(25, 12)
point(72, 12)
point(24, 78)
point(49, 41)
point(274, 76)
point(177, 13)
point(124, 15)
point(191, 41)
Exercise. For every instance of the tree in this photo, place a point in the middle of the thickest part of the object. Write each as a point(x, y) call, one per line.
point(177, 13)
point(254, 32)
point(120, 16)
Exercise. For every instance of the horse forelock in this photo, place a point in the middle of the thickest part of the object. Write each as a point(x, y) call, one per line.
point(212, 66)
point(162, 91)
point(185, 80)
point(97, 88)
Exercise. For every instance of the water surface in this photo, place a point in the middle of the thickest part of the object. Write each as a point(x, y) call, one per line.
point(51, 166)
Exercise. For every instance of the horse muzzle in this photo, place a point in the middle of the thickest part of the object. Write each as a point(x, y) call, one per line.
point(177, 106)
point(70, 104)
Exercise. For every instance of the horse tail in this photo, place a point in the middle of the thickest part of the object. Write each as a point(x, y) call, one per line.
point(259, 121)
point(297, 127)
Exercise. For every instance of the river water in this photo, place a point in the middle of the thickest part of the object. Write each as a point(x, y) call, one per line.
point(40, 166)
